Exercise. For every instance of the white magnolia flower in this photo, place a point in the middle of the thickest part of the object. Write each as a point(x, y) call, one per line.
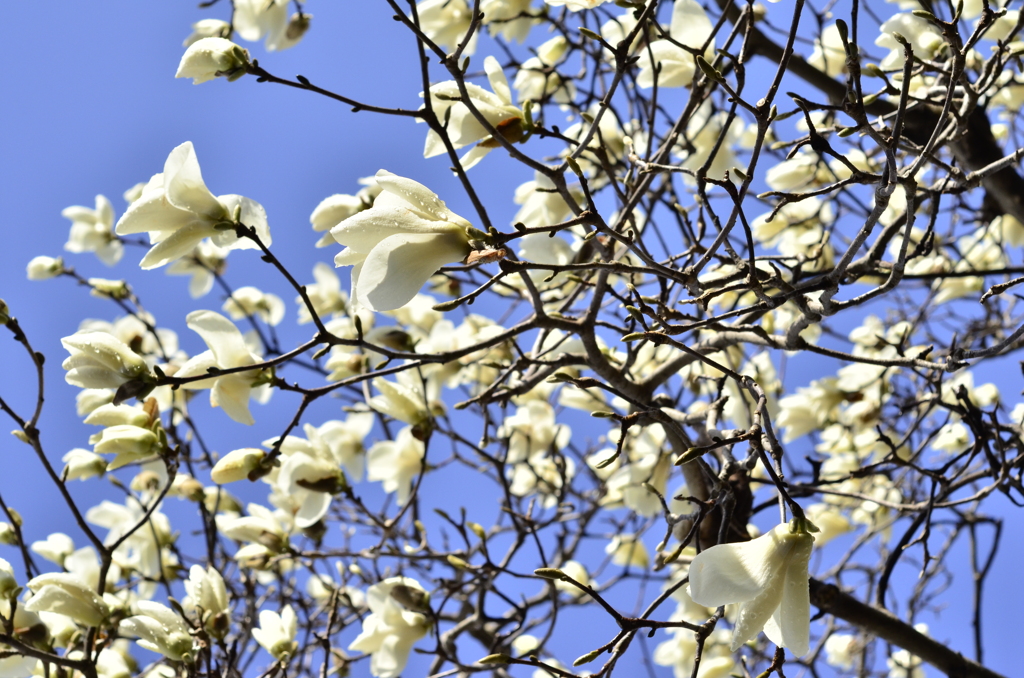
point(537, 78)
point(446, 22)
point(768, 578)
point(159, 629)
point(626, 550)
point(208, 58)
point(55, 548)
point(99, 360)
point(923, 36)
point(334, 209)
point(82, 464)
point(249, 301)
point(576, 5)
point(227, 350)
point(840, 650)
point(254, 19)
point(236, 465)
point(509, 18)
point(397, 244)
point(395, 463)
point(391, 629)
point(201, 264)
point(178, 211)
point(462, 126)
point(129, 444)
point(66, 594)
point(92, 230)
point(207, 28)
point(276, 632)
point(44, 268)
point(691, 27)
point(829, 55)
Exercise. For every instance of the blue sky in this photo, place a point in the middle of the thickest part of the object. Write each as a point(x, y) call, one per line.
point(91, 107)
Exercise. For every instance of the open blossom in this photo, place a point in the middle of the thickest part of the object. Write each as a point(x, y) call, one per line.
point(509, 18)
point(537, 78)
point(66, 594)
point(254, 19)
point(391, 629)
point(250, 301)
point(768, 578)
point(92, 230)
point(227, 350)
point(395, 463)
point(208, 58)
point(462, 126)
point(397, 244)
point(691, 27)
point(446, 22)
point(178, 211)
point(159, 629)
point(276, 632)
point(100, 360)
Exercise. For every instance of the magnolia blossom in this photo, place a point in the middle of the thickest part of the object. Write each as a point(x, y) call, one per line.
point(178, 211)
point(201, 264)
point(576, 5)
point(397, 244)
point(159, 629)
point(82, 464)
point(390, 631)
point(227, 350)
point(249, 301)
point(537, 79)
point(462, 127)
point(325, 294)
point(508, 18)
point(254, 19)
point(92, 230)
point(207, 28)
point(276, 632)
point(236, 465)
point(395, 463)
point(66, 594)
point(691, 27)
point(829, 55)
point(923, 36)
point(334, 209)
point(44, 268)
point(768, 578)
point(208, 58)
point(99, 360)
point(446, 22)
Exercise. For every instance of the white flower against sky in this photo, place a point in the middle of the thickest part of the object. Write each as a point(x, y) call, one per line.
point(82, 464)
point(396, 463)
point(829, 55)
point(55, 548)
point(536, 78)
point(159, 629)
point(250, 301)
point(227, 350)
point(66, 594)
point(209, 58)
point(923, 36)
point(691, 27)
point(178, 211)
point(325, 294)
point(276, 632)
point(446, 22)
point(207, 28)
point(508, 18)
point(236, 465)
point(462, 126)
point(92, 230)
point(397, 244)
point(576, 5)
point(390, 631)
point(201, 264)
point(255, 19)
point(768, 577)
point(99, 360)
point(44, 268)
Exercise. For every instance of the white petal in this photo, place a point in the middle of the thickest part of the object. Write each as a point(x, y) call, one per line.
point(499, 83)
point(690, 24)
point(790, 625)
point(223, 338)
point(177, 245)
point(232, 395)
point(734, 573)
point(414, 193)
point(184, 184)
point(399, 266)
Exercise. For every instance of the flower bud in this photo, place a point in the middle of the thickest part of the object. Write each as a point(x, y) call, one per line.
point(43, 268)
point(237, 465)
point(208, 58)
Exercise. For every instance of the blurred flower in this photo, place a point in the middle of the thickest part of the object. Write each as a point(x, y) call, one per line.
point(44, 268)
point(249, 301)
point(690, 27)
point(66, 594)
point(390, 631)
point(276, 632)
point(92, 230)
point(159, 629)
point(208, 58)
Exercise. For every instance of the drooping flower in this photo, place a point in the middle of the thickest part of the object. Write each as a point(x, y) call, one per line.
point(208, 58)
point(227, 350)
point(397, 244)
point(768, 577)
point(391, 629)
point(462, 126)
point(178, 211)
